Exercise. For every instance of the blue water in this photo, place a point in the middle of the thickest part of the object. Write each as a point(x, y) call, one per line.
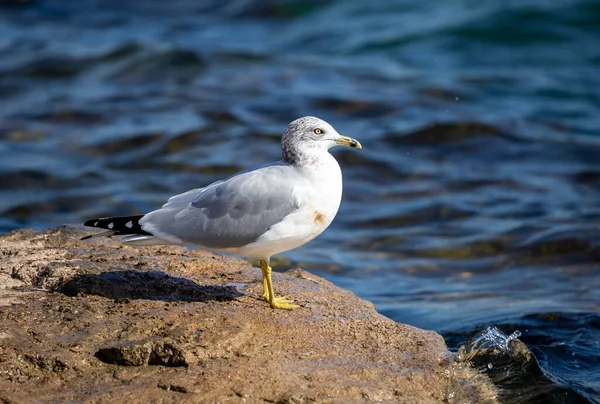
point(476, 198)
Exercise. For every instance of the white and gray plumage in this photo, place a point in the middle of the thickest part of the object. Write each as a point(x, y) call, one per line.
point(257, 213)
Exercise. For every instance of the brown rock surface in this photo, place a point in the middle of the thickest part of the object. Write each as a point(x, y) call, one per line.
point(96, 321)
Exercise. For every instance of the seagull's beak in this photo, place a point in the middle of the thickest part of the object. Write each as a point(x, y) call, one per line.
point(348, 141)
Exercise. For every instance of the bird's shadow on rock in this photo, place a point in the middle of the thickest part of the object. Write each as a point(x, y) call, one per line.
point(150, 285)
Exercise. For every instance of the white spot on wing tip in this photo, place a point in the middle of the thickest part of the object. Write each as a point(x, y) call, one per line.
point(96, 224)
point(110, 225)
point(129, 224)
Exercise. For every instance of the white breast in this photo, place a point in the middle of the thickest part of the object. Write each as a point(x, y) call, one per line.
point(318, 206)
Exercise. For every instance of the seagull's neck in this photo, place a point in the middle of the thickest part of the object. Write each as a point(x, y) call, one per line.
point(323, 173)
point(308, 157)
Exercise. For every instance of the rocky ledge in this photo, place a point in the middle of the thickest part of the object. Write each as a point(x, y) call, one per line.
point(96, 321)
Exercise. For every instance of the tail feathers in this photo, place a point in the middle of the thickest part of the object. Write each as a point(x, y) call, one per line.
point(117, 226)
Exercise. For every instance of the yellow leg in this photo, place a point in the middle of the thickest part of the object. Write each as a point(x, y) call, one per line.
point(268, 295)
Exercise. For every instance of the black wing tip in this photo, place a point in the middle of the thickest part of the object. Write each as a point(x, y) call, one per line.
point(91, 222)
point(86, 237)
point(119, 225)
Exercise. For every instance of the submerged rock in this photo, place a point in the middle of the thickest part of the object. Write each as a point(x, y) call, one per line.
point(493, 344)
point(99, 321)
point(507, 362)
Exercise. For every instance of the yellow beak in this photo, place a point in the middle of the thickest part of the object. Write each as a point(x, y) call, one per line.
point(348, 141)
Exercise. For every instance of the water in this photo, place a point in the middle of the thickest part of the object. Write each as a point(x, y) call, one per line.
point(476, 198)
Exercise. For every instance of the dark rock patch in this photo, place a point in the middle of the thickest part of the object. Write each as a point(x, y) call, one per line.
point(143, 353)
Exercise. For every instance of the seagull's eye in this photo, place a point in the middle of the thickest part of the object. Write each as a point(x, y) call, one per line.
point(318, 131)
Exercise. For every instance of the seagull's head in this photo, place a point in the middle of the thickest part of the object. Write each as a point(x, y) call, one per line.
point(308, 133)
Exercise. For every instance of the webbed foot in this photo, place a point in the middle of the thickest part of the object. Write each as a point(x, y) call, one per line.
point(283, 303)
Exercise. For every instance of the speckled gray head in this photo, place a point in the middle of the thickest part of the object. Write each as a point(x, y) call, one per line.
point(309, 133)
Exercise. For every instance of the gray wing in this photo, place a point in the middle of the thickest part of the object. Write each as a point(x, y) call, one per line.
point(230, 213)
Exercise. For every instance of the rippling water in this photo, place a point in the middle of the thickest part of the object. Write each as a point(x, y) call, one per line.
point(476, 198)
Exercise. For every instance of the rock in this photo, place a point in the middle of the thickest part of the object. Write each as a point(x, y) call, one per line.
point(99, 321)
point(144, 353)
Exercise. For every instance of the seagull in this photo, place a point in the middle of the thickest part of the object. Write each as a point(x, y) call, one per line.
point(255, 213)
